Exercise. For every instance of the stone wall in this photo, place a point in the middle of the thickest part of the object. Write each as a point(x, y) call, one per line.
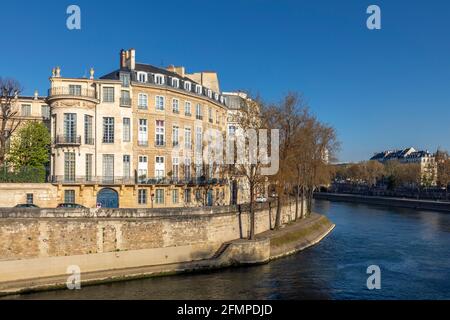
point(44, 242)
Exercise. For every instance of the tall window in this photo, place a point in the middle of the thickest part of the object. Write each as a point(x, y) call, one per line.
point(142, 77)
point(159, 102)
point(175, 107)
point(187, 168)
point(45, 112)
point(88, 136)
point(159, 196)
point(69, 196)
point(74, 89)
point(175, 82)
point(142, 134)
point(198, 139)
point(198, 89)
point(187, 138)
point(125, 79)
point(159, 133)
point(175, 168)
point(125, 100)
point(142, 101)
point(210, 115)
point(187, 195)
point(69, 166)
point(126, 130)
point(187, 108)
point(159, 79)
point(29, 198)
point(108, 167)
point(126, 166)
point(88, 167)
point(26, 110)
point(70, 127)
point(187, 86)
point(108, 94)
point(142, 196)
point(159, 167)
point(108, 130)
point(175, 196)
point(175, 136)
point(198, 111)
point(142, 168)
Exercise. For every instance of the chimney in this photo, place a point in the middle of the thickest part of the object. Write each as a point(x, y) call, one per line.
point(178, 70)
point(36, 94)
point(122, 59)
point(132, 59)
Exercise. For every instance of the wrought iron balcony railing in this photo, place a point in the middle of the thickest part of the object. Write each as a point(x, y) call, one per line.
point(125, 102)
point(64, 140)
point(66, 91)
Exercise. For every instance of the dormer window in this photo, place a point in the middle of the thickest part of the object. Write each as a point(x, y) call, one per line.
point(209, 93)
point(221, 99)
point(142, 76)
point(159, 79)
point(187, 86)
point(175, 82)
point(216, 96)
point(198, 89)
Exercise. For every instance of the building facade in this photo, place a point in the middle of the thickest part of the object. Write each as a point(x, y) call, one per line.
point(135, 137)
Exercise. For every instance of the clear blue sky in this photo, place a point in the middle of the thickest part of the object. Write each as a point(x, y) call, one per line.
point(379, 89)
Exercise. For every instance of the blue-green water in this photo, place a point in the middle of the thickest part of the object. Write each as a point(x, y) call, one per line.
point(412, 248)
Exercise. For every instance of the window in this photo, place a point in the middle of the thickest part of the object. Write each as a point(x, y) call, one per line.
point(209, 93)
point(142, 134)
point(142, 76)
point(108, 167)
point(198, 112)
point(126, 166)
point(125, 100)
point(29, 198)
point(45, 112)
point(175, 136)
point(125, 79)
point(108, 94)
point(159, 196)
point(187, 86)
point(142, 101)
point(222, 100)
point(175, 196)
point(187, 108)
point(159, 102)
point(159, 167)
point(216, 96)
point(231, 130)
point(69, 166)
point(187, 138)
point(198, 170)
point(26, 110)
point(88, 167)
point(70, 127)
point(187, 168)
point(108, 130)
point(126, 130)
point(198, 89)
point(175, 107)
point(187, 195)
point(198, 139)
point(159, 133)
point(175, 168)
point(88, 136)
point(74, 90)
point(69, 196)
point(198, 197)
point(142, 168)
point(159, 79)
point(210, 115)
point(142, 196)
point(175, 82)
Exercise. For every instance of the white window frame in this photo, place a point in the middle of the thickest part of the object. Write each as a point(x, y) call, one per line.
point(160, 130)
point(175, 135)
point(175, 82)
point(142, 76)
point(187, 86)
point(187, 105)
point(157, 105)
point(175, 105)
point(198, 89)
point(210, 93)
point(159, 79)
point(160, 173)
point(142, 167)
point(143, 132)
point(143, 97)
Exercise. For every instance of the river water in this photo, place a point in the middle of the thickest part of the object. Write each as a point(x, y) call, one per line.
point(412, 249)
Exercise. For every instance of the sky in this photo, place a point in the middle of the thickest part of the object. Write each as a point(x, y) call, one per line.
point(380, 89)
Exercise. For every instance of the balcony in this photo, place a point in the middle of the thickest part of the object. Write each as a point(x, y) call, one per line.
point(142, 143)
point(160, 144)
point(125, 102)
point(188, 114)
point(198, 117)
point(63, 140)
point(102, 180)
point(66, 92)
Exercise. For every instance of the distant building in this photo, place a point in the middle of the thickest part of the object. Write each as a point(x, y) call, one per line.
point(426, 160)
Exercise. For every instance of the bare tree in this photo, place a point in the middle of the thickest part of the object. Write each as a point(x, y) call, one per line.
point(9, 90)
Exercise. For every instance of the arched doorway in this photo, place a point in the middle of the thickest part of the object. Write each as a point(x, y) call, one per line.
point(108, 198)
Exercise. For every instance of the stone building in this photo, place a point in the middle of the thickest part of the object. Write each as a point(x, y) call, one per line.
point(133, 137)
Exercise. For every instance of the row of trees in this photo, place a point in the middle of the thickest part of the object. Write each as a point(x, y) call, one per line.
point(305, 147)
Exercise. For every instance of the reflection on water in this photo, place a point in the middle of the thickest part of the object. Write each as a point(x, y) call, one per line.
point(411, 247)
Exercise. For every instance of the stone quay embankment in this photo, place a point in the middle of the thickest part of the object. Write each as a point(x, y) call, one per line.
point(386, 201)
point(40, 247)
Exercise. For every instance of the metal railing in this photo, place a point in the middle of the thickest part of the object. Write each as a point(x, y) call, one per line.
point(67, 140)
point(125, 102)
point(66, 91)
point(113, 180)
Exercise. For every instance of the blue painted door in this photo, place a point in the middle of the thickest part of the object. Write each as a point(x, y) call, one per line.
point(108, 198)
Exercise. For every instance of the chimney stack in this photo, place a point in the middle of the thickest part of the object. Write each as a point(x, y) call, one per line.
point(122, 59)
point(128, 59)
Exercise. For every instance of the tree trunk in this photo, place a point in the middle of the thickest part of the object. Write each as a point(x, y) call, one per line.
point(252, 216)
point(278, 214)
point(297, 195)
point(302, 204)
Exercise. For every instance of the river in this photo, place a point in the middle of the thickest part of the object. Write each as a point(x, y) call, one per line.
point(412, 249)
